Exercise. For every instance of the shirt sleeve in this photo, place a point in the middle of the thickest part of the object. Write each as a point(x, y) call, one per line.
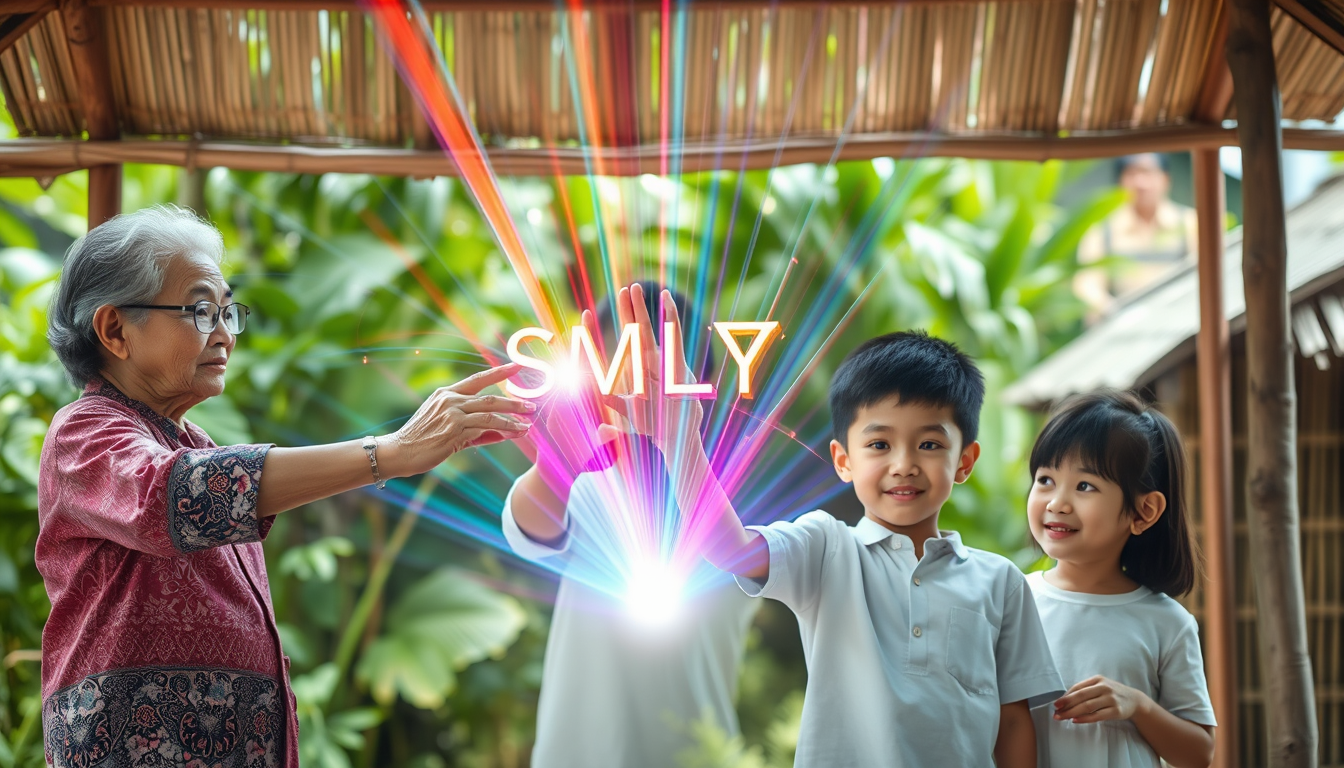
point(109, 478)
point(1182, 690)
point(525, 546)
point(1026, 670)
point(797, 556)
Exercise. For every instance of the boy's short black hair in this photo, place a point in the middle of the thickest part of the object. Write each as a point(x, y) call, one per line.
point(914, 367)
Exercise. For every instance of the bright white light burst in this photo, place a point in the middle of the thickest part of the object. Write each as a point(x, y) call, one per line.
point(653, 594)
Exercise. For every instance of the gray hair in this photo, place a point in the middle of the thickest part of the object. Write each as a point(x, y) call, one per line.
point(122, 261)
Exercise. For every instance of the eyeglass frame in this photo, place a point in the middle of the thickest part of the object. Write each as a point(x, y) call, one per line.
point(219, 314)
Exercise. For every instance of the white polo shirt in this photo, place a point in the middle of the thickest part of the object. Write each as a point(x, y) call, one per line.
point(616, 693)
point(908, 660)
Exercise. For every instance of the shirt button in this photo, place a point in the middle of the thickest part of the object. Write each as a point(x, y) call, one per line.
point(916, 581)
point(918, 632)
point(895, 543)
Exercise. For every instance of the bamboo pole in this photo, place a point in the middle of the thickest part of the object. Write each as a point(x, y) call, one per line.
point(88, 51)
point(1271, 459)
point(1215, 434)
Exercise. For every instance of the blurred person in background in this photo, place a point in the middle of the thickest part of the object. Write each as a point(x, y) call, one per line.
point(1149, 234)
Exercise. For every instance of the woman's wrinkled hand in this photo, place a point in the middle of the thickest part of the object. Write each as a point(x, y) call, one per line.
point(453, 418)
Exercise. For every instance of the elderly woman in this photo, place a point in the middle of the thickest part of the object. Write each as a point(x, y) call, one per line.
point(162, 648)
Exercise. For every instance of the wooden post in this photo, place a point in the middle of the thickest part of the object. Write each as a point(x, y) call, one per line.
point(1271, 467)
point(93, 76)
point(1215, 450)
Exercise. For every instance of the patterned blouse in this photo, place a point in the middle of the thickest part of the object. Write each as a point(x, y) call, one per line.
point(161, 648)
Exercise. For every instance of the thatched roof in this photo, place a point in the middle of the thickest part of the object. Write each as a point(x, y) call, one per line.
point(884, 76)
point(1155, 331)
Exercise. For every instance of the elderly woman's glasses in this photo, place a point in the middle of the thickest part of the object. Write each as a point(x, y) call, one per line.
point(207, 314)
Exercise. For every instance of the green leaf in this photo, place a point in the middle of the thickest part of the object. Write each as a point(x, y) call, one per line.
point(443, 623)
point(360, 719)
point(222, 421)
point(337, 275)
point(20, 446)
point(315, 688)
point(316, 560)
point(1007, 257)
point(1064, 242)
point(15, 231)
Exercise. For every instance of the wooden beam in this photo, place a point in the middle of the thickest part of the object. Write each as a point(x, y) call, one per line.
point(1313, 15)
point(17, 24)
point(1271, 455)
point(30, 157)
point(27, 6)
point(93, 77)
point(522, 5)
point(43, 157)
point(1213, 360)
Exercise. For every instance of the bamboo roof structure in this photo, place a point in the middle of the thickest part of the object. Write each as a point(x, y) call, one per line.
point(277, 85)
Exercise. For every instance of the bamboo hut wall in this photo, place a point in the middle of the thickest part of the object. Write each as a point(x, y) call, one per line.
point(537, 78)
point(1320, 468)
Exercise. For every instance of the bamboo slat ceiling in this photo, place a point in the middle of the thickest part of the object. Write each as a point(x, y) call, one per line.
point(1042, 67)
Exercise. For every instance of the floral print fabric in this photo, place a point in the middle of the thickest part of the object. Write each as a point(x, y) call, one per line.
point(166, 717)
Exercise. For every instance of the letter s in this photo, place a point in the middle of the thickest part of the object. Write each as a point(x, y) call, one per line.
point(516, 355)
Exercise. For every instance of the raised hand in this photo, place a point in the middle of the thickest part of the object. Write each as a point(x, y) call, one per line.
point(669, 421)
point(453, 418)
point(564, 438)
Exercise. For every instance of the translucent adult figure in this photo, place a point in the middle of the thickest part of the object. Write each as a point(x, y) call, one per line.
point(161, 647)
point(625, 676)
point(1149, 232)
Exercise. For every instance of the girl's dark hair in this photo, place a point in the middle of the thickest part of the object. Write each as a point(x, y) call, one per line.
point(1119, 437)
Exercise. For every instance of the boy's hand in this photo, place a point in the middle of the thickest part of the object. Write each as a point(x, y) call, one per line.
point(671, 422)
point(1098, 698)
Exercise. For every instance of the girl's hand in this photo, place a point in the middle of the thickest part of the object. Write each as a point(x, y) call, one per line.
point(1098, 698)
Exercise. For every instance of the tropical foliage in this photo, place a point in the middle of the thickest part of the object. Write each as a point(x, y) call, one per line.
point(413, 644)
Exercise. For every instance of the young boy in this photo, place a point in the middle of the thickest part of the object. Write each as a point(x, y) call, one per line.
point(920, 650)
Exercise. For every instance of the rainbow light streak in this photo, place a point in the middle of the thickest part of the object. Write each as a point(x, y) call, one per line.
point(641, 546)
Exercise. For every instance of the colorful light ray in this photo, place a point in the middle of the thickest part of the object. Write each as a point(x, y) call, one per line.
point(643, 545)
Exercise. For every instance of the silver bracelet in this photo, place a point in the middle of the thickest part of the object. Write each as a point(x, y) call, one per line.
point(371, 448)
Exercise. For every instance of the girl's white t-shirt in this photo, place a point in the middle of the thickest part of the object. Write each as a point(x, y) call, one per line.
point(1142, 639)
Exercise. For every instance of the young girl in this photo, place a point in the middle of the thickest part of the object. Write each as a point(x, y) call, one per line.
point(1107, 504)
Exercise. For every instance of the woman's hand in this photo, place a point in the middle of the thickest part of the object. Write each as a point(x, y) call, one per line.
point(453, 418)
point(1098, 698)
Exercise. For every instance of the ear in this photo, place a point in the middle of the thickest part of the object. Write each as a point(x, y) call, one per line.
point(1148, 509)
point(841, 461)
point(110, 327)
point(969, 455)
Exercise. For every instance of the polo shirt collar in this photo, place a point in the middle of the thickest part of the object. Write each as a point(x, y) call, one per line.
point(871, 532)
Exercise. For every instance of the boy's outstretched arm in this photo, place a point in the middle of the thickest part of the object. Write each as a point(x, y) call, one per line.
point(729, 545)
point(538, 504)
point(674, 425)
point(565, 443)
point(1015, 746)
